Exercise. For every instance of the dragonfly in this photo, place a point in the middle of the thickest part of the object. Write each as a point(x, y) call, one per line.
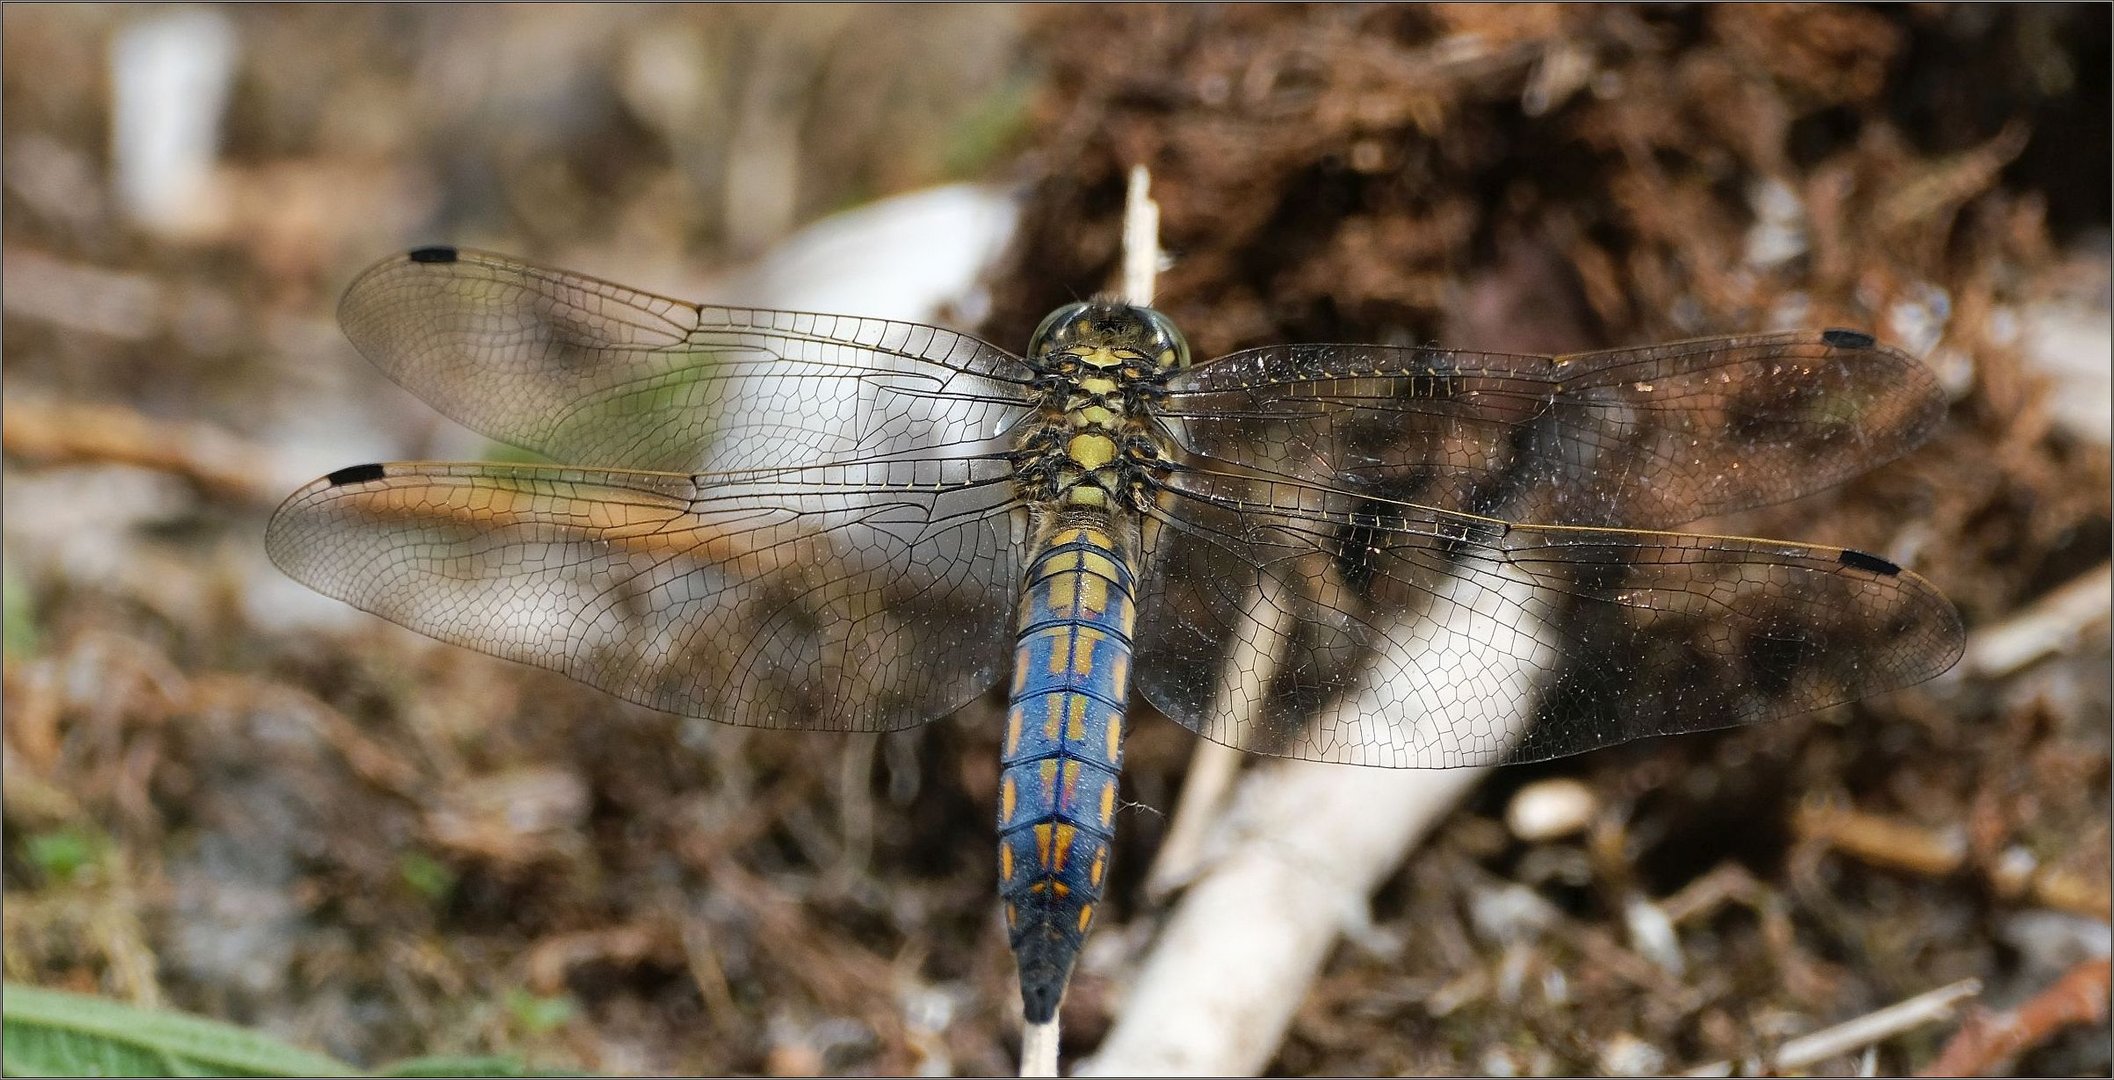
point(1380, 555)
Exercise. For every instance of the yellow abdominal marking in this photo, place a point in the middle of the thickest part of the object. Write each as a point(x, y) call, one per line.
point(1083, 650)
point(1005, 866)
point(1100, 866)
point(1085, 591)
point(1055, 718)
point(1066, 835)
point(1097, 564)
point(1014, 720)
point(1086, 915)
point(1008, 799)
point(1108, 803)
point(1042, 846)
point(1075, 724)
point(1091, 451)
point(1115, 735)
point(1077, 654)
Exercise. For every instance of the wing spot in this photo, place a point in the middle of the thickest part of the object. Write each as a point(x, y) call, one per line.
point(1858, 560)
point(356, 474)
point(1848, 339)
point(436, 254)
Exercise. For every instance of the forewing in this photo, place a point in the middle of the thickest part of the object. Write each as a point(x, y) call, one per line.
point(856, 598)
point(1642, 437)
point(591, 373)
point(1302, 622)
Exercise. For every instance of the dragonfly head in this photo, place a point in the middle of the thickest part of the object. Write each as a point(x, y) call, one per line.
point(1109, 333)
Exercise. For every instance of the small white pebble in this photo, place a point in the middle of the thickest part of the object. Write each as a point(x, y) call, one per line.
point(1499, 1063)
point(1555, 989)
point(1550, 809)
point(1652, 934)
point(1510, 914)
point(2053, 940)
point(1628, 1055)
point(2014, 869)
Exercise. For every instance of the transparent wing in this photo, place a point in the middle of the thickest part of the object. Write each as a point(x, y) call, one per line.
point(591, 373)
point(1306, 622)
point(852, 598)
point(1644, 437)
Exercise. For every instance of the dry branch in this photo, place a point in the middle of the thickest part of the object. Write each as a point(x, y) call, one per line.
point(1985, 1041)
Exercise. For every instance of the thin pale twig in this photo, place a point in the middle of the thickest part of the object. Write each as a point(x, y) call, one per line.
point(217, 462)
point(1141, 239)
point(1854, 1035)
point(1038, 1049)
point(2054, 623)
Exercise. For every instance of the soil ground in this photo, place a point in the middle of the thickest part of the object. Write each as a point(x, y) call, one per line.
point(226, 796)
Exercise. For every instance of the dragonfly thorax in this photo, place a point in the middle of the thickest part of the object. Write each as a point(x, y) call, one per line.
point(1111, 332)
point(1100, 367)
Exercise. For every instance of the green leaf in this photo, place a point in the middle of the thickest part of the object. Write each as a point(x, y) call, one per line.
point(426, 875)
point(996, 124)
point(18, 617)
point(56, 1033)
point(469, 1066)
point(535, 1014)
point(509, 454)
point(60, 855)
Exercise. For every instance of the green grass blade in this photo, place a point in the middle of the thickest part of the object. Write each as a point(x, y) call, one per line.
point(56, 1033)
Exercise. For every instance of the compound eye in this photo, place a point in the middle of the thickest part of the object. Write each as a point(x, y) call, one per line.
point(1056, 332)
point(1169, 348)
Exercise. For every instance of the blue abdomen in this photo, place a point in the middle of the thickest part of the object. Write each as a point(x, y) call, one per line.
point(1064, 747)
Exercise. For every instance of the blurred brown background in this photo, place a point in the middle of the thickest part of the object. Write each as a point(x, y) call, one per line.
point(227, 795)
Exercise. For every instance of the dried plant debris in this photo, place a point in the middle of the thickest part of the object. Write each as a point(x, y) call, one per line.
point(1552, 178)
point(226, 797)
